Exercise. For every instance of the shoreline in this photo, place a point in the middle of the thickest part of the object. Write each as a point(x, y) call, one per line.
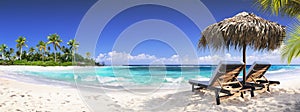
point(18, 95)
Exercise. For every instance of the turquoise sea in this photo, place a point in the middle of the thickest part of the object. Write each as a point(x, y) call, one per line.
point(137, 75)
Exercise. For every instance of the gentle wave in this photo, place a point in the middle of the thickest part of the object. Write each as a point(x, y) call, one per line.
point(280, 71)
point(129, 75)
point(174, 80)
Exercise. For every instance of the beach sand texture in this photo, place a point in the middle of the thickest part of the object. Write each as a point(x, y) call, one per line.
point(28, 97)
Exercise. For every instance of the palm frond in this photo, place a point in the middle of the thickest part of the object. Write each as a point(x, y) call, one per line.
point(292, 49)
point(283, 7)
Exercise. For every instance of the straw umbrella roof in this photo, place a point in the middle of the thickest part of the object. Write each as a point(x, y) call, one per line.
point(244, 29)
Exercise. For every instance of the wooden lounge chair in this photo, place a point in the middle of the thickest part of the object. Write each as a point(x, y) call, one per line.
point(224, 80)
point(255, 76)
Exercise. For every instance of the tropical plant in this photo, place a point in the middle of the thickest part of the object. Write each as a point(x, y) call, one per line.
point(3, 48)
point(31, 54)
point(73, 46)
point(24, 55)
point(42, 47)
point(55, 40)
point(292, 9)
point(285, 7)
point(8, 54)
point(20, 44)
point(31, 50)
point(18, 53)
point(88, 55)
point(292, 48)
point(47, 53)
point(67, 53)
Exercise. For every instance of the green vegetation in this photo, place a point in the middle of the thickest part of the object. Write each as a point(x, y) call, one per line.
point(283, 7)
point(290, 8)
point(40, 55)
point(292, 48)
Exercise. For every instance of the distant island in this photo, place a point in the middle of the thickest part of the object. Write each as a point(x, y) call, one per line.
point(41, 55)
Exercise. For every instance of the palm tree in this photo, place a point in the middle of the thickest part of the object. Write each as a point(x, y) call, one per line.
point(42, 47)
point(3, 48)
point(47, 53)
point(9, 53)
point(66, 54)
point(73, 46)
point(88, 55)
point(31, 50)
point(55, 40)
point(30, 55)
point(290, 8)
point(20, 44)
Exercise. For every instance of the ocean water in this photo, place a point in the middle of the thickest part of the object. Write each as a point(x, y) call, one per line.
point(134, 75)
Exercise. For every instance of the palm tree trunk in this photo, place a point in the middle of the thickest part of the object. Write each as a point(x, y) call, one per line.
point(43, 55)
point(73, 53)
point(244, 60)
point(67, 58)
point(54, 55)
point(21, 53)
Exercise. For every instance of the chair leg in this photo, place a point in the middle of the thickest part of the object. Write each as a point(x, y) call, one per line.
point(193, 88)
point(242, 94)
point(217, 97)
point(252, 92)
point(268, 88)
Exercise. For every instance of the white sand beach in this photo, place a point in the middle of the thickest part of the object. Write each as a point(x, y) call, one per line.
point(16, 95)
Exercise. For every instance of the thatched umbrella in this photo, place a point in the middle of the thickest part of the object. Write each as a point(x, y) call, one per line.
point(244, 29)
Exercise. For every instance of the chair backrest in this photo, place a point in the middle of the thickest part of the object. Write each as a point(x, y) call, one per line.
point(226, 71)
point(257, 70)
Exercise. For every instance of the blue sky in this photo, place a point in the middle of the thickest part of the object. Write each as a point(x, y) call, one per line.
point(36, 19)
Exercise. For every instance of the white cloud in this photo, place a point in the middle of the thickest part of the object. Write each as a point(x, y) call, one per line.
point(274, 57)
point(121, 58)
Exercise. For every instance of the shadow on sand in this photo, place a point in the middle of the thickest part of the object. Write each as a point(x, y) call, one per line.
point(276, 100)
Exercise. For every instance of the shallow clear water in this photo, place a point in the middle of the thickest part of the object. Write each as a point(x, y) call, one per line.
point(142, 75)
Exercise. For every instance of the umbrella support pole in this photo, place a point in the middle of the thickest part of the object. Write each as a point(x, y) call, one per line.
point(244, 60)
